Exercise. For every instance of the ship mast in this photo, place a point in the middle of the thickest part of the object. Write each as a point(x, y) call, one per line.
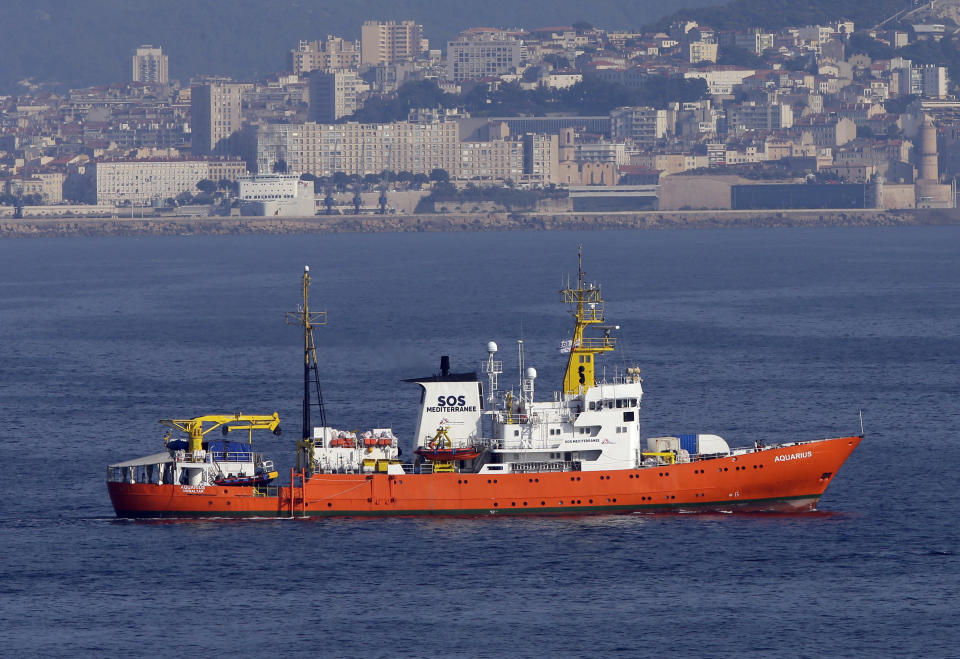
point(587, 310)
point(311, 374)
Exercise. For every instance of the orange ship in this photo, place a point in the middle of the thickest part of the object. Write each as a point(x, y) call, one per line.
point(480, 451)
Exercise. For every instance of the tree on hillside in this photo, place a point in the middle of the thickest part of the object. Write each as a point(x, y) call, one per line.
point(861, 43)
point(736, 56)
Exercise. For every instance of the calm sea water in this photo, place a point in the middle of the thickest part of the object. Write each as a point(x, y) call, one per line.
point(772, 334)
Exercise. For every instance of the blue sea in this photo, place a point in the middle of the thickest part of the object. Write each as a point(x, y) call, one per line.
point(778, 335)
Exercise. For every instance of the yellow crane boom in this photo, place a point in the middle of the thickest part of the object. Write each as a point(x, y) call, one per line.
point(226, 422)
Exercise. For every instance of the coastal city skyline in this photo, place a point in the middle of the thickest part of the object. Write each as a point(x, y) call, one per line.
point(580, 117)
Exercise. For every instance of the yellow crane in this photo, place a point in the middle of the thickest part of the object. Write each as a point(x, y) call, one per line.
point(226, 422)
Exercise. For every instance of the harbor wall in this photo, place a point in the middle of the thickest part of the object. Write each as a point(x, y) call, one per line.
point(34, 227)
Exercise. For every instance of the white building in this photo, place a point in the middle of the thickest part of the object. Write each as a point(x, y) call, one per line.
point(416, 147)
point(720, 79)
point(477, 55)
point(276, 194)
point(142, 182)
point(389, 42)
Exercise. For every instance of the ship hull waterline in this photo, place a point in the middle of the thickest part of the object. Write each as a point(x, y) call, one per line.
point(784, 479)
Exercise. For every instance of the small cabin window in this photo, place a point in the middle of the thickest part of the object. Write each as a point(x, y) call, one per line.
point(628, 416)
point(516, 433)
point(592, 405)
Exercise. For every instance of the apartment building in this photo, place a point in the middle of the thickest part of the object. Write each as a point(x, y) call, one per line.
point(701, 51)
point(759, 116)
point(390, 41)
point(497, 160)
point(482, 54)
point(541, 158)
point(149, 65)
point(644, 126)
point(141, 182)
point(353, 148)
point(215, 110)
point(334, 53)
point(49, 186)
point(333, 94)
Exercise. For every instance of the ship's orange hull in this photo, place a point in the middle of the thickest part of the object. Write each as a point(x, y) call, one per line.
point(781, 479)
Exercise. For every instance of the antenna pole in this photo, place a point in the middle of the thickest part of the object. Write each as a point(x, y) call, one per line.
point(580, 272)
point(311, 374)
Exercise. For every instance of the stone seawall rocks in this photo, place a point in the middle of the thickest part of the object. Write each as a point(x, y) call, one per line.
point(61, 227)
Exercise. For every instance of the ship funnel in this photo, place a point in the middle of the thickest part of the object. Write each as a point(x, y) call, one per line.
point(445, 365)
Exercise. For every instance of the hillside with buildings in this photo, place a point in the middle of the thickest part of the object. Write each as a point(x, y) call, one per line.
point(84, 43)
point(566, 118)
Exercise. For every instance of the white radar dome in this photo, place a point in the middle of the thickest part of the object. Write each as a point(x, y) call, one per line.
point(491, 347)
point(531, 373)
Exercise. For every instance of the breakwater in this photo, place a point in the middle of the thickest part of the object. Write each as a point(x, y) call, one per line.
point(38, 227)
